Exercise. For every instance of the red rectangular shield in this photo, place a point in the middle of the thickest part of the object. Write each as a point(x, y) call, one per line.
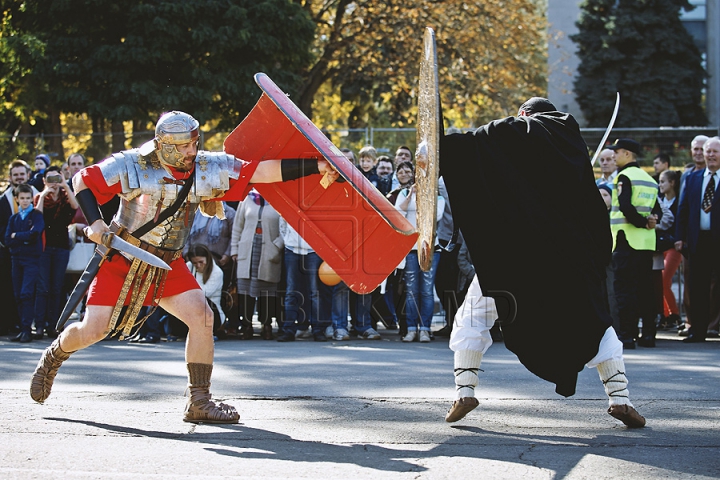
point(349, 223)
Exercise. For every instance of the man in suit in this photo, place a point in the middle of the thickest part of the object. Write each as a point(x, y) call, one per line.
point(698, 230)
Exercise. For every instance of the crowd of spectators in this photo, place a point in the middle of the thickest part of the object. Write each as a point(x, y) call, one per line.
point(36, 214)
point(255, 269)
point(661, 224)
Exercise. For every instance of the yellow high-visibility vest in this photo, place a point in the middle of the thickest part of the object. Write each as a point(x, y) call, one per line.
point(644, 196)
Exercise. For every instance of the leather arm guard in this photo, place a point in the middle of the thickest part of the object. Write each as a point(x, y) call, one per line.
point(89, 205)
point(294, 168)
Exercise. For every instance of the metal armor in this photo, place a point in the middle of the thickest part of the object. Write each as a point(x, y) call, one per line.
point(147, 189)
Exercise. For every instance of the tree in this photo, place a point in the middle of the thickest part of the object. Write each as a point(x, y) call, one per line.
point(132, 60)
point(640, 49)
point(491, 56)
point(23, 96)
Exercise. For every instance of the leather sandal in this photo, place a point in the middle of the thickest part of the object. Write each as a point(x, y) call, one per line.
point(460, 408)
point(46, 370)
point(628, 415)
point(200, 408)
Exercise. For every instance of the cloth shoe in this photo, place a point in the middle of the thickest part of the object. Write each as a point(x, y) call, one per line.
point(341, 334)
point(671, 321)
point(228, 329)
point(22, 337)
point(612, 374)
point(286, 337)
point(149, 339)
point(246, 333)
point(410, 336)
point(424, 336)
point(46, 370)
point(369, 334)
point(200, 408)
point(303, 334)
point(134, 338)
point(266, 333)
point(460, 408)
point(628, 415)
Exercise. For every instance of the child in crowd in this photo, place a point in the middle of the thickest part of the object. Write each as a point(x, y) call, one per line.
point(669, 186)
point(367, 158)
point(606, 194)
point(23, 238)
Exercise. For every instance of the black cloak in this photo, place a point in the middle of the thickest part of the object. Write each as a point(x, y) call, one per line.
point(523, 194)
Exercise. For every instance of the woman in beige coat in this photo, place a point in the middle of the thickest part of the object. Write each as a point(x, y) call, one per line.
point(257, 247)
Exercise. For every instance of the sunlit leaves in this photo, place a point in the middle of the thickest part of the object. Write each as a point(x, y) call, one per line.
point(491, 55)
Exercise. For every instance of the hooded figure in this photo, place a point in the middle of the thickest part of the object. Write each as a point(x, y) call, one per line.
point(541, 245)
point(42, 162)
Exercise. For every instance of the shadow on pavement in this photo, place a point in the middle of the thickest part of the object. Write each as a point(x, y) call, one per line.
point(298, 450)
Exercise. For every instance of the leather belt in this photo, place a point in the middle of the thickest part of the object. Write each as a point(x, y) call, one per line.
point(165, 255)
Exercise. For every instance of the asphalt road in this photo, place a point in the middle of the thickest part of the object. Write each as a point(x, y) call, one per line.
point(357, 409)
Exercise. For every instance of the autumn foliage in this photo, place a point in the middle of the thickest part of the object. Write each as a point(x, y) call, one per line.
point(491, 55)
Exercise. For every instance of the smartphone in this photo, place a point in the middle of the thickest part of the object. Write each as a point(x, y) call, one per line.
point(54, 179)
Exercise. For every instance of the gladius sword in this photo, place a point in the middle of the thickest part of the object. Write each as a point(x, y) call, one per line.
point(609, 129)
point(109, 242)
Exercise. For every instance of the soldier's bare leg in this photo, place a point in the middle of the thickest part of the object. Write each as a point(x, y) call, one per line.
point(91, 330)
point(192, 308)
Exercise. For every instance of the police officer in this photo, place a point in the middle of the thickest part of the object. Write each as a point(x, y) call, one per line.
point(633, 218)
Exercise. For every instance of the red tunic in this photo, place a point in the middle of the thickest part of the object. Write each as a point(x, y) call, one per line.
point(105, 288)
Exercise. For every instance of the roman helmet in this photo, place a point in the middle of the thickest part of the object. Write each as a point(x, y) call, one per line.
point(175, 128)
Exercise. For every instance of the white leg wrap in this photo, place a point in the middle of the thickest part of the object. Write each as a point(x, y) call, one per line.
point(467, 365)
point(612, 374)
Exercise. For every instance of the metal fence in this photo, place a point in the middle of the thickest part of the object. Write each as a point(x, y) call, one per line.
point(672, 140)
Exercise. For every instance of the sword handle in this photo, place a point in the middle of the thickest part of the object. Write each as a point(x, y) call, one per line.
point(107, 238)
